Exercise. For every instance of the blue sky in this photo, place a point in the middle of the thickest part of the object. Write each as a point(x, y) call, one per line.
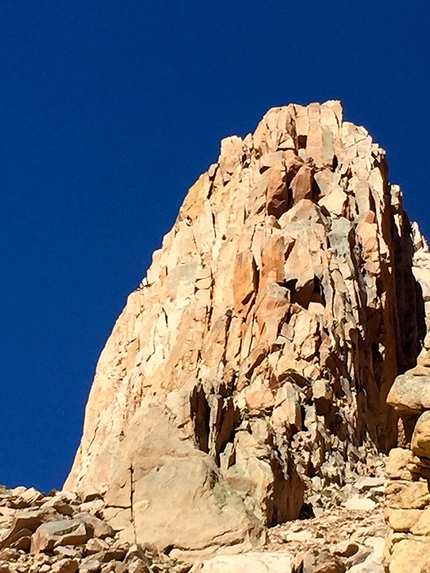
point(109, 111)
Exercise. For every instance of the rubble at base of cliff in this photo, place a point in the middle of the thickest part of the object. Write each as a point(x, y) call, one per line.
point(342, 530)
point(61, 533)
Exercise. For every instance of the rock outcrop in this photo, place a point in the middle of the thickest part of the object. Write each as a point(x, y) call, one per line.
point(253, 363)
point(408, 493)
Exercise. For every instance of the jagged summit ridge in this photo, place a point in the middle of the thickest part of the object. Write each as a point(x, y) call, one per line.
point(252, 365)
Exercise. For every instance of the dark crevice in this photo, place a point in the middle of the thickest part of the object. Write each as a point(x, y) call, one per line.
point(200, 413)
point(132, 516)
point(302, 141)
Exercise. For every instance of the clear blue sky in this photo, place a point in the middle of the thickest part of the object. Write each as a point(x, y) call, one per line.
point(109, 111)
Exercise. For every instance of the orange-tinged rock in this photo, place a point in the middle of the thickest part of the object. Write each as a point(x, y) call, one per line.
point(302, 184)
point(260, 348)
point(421, 438)
point(245, 278)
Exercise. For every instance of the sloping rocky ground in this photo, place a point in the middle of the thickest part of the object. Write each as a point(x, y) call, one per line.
point(348, 534)
point(60, 533)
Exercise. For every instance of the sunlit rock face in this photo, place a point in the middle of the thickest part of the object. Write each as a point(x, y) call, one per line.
point(253, 363)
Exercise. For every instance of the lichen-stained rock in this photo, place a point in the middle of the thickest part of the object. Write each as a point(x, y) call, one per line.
point(168, 492)
point(258, 352)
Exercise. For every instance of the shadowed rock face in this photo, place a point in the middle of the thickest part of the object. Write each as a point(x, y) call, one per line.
point(257, 354)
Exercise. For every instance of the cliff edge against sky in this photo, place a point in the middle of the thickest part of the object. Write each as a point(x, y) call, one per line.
point(252, 365)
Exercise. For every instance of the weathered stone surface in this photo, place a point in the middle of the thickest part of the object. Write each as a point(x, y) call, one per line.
point(422, 525)
point(250, 563)
point(93, 556)
point(410, 393)
point(397, 462)
point(64, 532)
point(421, 436)
point(360, 532)
point(149, 485)
point(22, 522)
point(359, 503)
point(302, 184)
point(95, 545)
point(402, 520)
point(100, 528)
point(345, 548)
point(263, 342)
point(90, 566)
point(58, 505)
point(407, 495)
point(322, 561)
point(410, 555)
point(373, 562)
point(66, 566)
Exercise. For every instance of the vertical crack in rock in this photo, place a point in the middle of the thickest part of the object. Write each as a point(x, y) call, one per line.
point(132, 516)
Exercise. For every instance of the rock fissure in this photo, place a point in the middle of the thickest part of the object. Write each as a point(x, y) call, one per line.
point(132, 516)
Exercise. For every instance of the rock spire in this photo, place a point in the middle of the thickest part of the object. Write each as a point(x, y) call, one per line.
point(252, 365)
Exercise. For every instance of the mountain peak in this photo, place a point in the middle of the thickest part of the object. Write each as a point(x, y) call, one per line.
point(251, 367)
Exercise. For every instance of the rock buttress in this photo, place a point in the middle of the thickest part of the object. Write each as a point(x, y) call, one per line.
point(253, 363)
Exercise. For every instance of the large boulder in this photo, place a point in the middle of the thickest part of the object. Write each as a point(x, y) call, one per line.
point(410, 393)
point(171, 494)
point(421, 436)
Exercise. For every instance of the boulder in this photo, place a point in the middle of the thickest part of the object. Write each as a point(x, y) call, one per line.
point(100, 528)
point(22, 524)
point(422, 524)
point(374, 561)
point(322, 561)
point(421, 436)
point(410, 393)
point(63, 532)
point(396, 467)
point(359, 503)
point(65, 566)
point(90, 565)
point(402, 520)
point(250, 563)
point(159, 476)
point(410, 555)
point(407, 495)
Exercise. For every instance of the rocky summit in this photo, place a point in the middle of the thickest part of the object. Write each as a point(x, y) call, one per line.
point(241, 399)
